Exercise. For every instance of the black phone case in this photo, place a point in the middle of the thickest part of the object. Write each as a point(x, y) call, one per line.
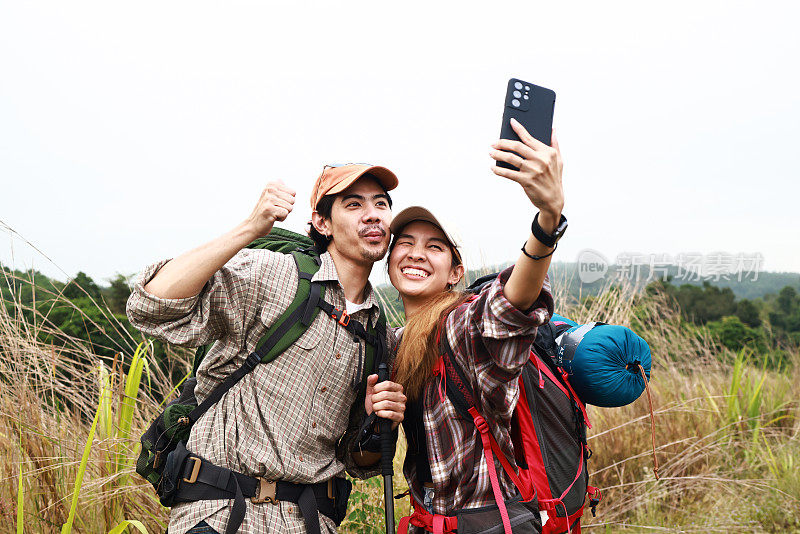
point(533, 107)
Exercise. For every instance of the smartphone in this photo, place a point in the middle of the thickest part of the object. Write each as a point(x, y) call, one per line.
point(533, 107)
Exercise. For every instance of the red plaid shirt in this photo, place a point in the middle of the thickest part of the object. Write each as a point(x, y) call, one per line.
point(491, 341)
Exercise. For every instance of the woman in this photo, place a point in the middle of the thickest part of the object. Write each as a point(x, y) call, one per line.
point(489, 337)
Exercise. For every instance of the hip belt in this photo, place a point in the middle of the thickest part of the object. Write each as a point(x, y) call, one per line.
point(189, 477)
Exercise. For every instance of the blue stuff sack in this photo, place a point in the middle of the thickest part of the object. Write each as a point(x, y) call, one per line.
point(604, 370)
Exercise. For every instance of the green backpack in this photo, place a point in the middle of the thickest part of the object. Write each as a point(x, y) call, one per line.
point(174, 424)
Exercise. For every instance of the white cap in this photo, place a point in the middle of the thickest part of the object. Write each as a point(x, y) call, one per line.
point(418, 213)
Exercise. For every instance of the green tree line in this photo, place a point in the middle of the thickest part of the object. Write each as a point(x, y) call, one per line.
point(78, 309)
point(92, 313)
point(764, 324)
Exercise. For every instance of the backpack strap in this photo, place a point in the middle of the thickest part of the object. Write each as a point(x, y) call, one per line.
point(462, 396)
point(294, 321)
point(486, 439)
point(420, 517)
point(375, 354)
point(555, 503)
point(561, 381)
point(308, 301)
point(231, 380)
point(375, 338)
point(301, 312)
point(285, 331)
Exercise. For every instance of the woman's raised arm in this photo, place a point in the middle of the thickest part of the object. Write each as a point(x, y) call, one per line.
point(539, 175)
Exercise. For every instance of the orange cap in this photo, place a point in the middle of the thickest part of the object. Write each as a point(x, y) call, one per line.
point(336, 178)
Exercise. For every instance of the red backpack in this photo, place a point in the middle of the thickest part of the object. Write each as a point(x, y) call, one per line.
point(548, 430)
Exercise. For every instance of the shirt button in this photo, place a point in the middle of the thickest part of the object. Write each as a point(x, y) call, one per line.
point(301, 457)
point(290, 510)
point(323, 389)
point(338, 355)
point(313, 424)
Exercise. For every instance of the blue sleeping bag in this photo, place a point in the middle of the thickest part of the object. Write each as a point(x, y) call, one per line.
point(604, 366)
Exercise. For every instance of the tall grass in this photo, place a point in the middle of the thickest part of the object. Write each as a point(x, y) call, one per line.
point(69, 425)
point(726, 435)
point(718, 427)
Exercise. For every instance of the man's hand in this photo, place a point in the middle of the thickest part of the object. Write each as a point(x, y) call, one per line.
point(385, 399)
point(275, 204)
point(539, 171)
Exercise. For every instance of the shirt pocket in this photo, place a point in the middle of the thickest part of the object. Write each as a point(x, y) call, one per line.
point(311, 338)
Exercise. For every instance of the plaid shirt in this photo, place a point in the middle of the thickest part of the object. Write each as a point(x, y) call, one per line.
point(290, 419)
point(491, 341)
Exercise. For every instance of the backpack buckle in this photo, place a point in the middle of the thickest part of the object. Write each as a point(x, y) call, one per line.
point(195, 470)
point(341, 316)
point(594, 499)
point(480, 422)
point(267, 490)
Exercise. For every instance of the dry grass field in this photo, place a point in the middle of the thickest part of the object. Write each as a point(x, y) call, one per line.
point(726, 434)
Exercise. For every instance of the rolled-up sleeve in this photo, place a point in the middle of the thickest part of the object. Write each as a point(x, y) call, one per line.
point(496, 318)
point(492, 338)
point(348, 445)
point(220, 309)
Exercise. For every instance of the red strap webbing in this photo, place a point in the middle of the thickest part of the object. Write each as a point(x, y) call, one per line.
point(552, 504)
point(431, 522)
point(402, 527)
point(577, 400)
point(573, 524)
point(438, 524)
point(535, 475)
point(512, 474)
point(483, 428)
point(542, 367)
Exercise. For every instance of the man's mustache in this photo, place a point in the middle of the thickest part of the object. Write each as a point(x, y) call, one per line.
point(375, 228)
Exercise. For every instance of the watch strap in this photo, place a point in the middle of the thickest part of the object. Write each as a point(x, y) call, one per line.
point(546, 239)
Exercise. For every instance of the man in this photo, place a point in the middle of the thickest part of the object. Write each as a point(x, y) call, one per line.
point(289, 420)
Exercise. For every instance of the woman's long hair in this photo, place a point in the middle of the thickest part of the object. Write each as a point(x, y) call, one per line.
point(418, 350)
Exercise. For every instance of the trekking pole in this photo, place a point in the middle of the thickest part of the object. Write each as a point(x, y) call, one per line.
point(387, 459)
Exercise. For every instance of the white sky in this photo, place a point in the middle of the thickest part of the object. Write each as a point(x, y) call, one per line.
point(131, 132)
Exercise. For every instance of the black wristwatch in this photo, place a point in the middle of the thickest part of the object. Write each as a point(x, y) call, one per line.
point(548, 240)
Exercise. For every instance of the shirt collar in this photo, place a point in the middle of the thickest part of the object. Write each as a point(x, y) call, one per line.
point(327, 273)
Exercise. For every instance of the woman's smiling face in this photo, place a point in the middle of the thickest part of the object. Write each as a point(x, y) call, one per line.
point(421, 261)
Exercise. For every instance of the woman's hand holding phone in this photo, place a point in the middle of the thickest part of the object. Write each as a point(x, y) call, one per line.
point(539, 173)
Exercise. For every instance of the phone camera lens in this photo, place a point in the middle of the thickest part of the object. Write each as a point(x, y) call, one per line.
point(527, 88)
point(525, 97)
point(517, 85)
point(515, 103)
point(517, 94)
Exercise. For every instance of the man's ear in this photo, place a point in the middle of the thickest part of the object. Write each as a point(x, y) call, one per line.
point(321, 224)
point(456, 274)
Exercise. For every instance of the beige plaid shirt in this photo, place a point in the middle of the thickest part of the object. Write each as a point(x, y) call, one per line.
point(286, 420)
